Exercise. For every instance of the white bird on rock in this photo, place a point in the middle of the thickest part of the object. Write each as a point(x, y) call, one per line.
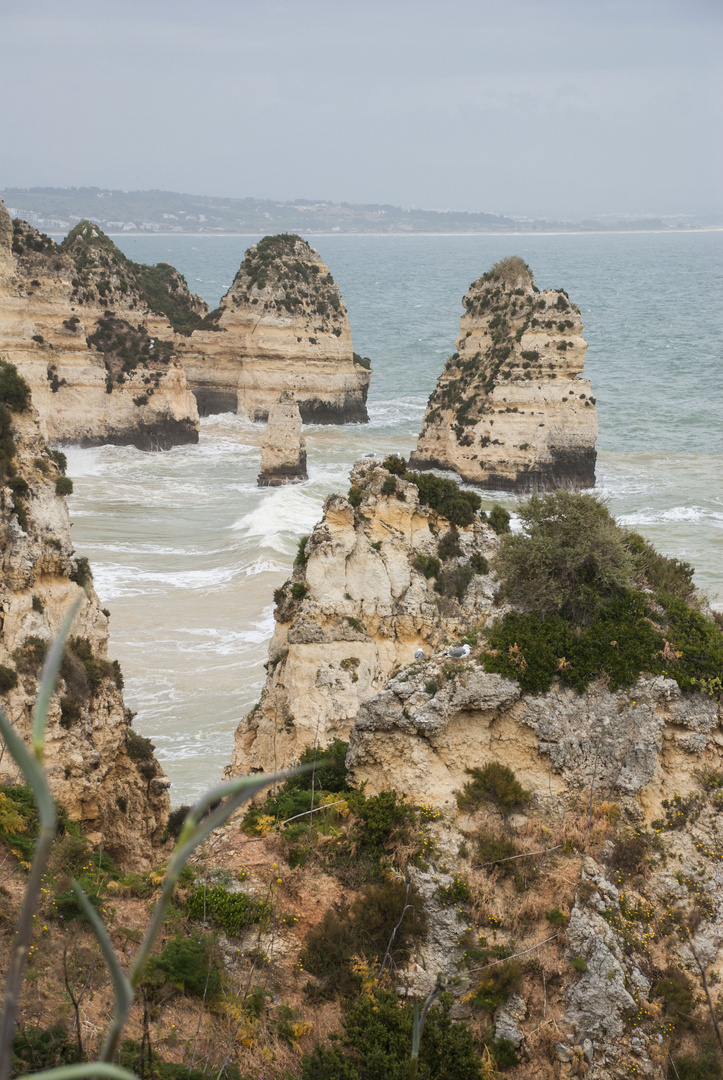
point(419, 654)
point(458, 652)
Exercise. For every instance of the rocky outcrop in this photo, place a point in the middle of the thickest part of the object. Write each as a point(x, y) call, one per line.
point(281, 326)
point(510, 410)
point(93, 335)
point(361, 602)
point(283, 447)
point(433, 722)
point(99, 769)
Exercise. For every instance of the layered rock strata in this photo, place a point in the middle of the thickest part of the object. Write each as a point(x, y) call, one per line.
point(103, 773)
point(86, 328)
point(281, 326)
point(360, 604)
point(283, 447)
point(429, 725)
point(510, 410)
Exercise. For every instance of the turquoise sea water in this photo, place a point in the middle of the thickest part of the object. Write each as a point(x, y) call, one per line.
point(187, 550)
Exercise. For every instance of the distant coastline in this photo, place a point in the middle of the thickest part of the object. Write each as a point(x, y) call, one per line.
point(168, 213)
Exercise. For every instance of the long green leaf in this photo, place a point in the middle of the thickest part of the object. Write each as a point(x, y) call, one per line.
point(49, 676)
point(123, 990)
point(87, 1068)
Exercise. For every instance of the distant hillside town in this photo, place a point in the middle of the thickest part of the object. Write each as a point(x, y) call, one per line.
point(60, 209)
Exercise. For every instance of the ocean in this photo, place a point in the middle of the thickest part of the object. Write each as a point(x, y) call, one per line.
point(186, 550)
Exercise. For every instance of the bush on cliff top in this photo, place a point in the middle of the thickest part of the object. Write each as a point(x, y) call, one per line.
point(572, 568)
point(444, 496)
point(14, 391)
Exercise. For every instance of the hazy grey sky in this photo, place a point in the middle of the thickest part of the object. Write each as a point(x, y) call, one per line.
point(539, 107)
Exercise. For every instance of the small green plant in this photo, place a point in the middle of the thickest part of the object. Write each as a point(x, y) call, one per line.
point(389, 487)
point(14, 391)
point(479, 564)
point(8, 679)
point(497, 985)
point(556, 917)
point(494, 783)
point(427, 565)
point(189, 965)
point(299, 590)
point(301, 556)
point(63, 486)
point(579, 964)
point(449, 546)
point(233, 911)
point(82, 575)
point(499, 519)
point(355, 496)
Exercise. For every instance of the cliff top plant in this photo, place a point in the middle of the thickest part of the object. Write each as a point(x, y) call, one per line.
point(445, 496)
point(569, 557)
point(513, 272)
point(14, 391)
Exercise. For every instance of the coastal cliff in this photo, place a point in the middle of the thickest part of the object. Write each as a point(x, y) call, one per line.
point(104, 775)
point(281, 326)
point(92, 333)
point(361, 601)
point(510, 410)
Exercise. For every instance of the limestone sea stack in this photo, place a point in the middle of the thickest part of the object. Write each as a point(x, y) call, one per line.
point(281, 326)
point(510, 410)
point(93, 335)
point(283, 447)
point(382, 575)
point(102, 772)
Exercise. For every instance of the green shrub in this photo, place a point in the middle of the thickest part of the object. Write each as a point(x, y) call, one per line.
point(382, 818)
point(449, 547)
point(389, 487)
point(14, 391)
point(355, 495)
point(299, 590)
point(455, 581)
point(662, 574)
point(18, 818)
point(479, 564)
point(444, 496)
point(377, 1039)
point(703, 1064)
point(82, 575)
point(30, 656)
point(456, 893)
point(8, 679)
point(499, 519)
point(497, 984)
point(678, 995)
point(628, 854)
point(176, 818)
point(63, 486)
point(534, 649)
point(329, 768)
point(427, 565)
point(36, 1049)
point(556, 917)
point(363, 930)
point(569, 558)
point(493, 783)
point(231, 910)
point(190, 965)
point(579, 964)
point(492, 850)
point(301, 557)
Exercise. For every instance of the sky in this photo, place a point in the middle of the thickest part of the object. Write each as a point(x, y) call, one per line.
point(540, 108)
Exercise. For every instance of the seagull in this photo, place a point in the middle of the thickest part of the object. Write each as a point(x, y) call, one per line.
point(458, 652)
point(419, 654)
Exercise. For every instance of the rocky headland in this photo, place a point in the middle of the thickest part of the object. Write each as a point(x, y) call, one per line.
point(510, 410)
point(102, 773)
point(283, 447)
point(93, 335)
point(281, 326)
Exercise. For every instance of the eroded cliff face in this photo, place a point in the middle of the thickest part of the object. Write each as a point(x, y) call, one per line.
point(434, 721)
point(281, 326)
point(104, 774)
point(283, 447)
point(510, 410)
point(358, 606)
point(76, 319)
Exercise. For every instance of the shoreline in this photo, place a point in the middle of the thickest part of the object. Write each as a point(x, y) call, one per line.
point(516, 233)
